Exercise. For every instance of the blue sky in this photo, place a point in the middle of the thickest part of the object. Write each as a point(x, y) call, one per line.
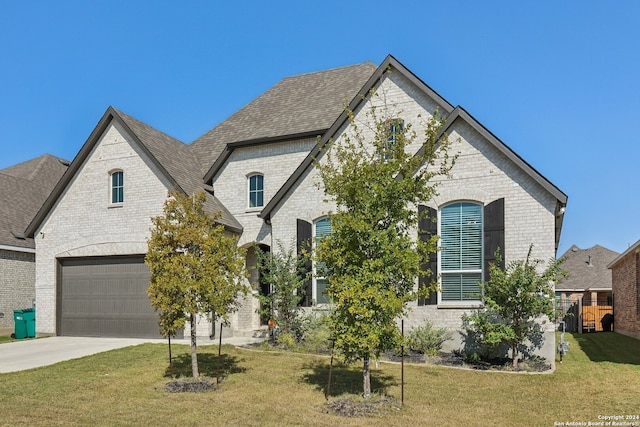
point(557, 81)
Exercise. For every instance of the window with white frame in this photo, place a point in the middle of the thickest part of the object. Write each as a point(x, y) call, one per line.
point(322, 228)
point(117, 187)
point(461, 261)
point(256, 190)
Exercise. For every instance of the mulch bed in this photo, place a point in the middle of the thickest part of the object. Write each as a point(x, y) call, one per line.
point(458, 361)
point(356, 407)
point(189, 386)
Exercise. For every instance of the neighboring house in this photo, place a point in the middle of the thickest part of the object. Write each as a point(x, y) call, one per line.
point(23, 189)
point(625, 273)
point(588, 278)
point(585, 292)
point(258, 169)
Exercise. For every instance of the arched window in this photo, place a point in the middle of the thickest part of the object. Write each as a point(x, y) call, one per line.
point(256, 190)
point(117, 187)
point(461, 257)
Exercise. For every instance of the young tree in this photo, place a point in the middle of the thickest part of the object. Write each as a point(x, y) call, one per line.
point(196, 267)
point(515, 299)
point(372, 257)
point(286, 274)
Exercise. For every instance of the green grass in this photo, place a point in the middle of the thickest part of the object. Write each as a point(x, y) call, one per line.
point(599, 376)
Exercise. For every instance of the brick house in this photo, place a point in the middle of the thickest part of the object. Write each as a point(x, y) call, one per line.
point(587, 286)
point(625, 274)
point(257, 169)
point(23, 189)
point(588, 277)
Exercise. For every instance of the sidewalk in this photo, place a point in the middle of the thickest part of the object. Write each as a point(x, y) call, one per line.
point(34, 353)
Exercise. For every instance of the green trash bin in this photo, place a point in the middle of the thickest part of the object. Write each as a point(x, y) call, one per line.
point(29, 315)
point(20, 324)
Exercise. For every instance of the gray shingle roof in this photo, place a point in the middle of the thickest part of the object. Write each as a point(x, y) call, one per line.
point(295, 105)
point(587, 269)
point(393, 65)
point(179, 162)
point(23, 189)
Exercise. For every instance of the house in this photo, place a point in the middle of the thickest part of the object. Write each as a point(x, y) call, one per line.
point(23, 189)
point(257, 167)
point(586, 290)
point(625, 274)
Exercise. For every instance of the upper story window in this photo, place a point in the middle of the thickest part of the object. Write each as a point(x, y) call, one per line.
point(256, 190)
point(461, 262)
point(322, 228)
point(395, 127)
point(117, 187)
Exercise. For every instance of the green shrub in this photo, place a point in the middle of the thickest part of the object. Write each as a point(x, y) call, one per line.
point(286, 340)
point(427, 339)
point(316, 337)
point(483, 336)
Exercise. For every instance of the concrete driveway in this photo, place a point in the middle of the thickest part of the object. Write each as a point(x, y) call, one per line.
point(28, 354)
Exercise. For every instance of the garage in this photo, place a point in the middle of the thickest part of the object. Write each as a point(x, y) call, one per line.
point(105, 297)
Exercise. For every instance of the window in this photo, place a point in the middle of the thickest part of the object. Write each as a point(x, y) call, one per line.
point(117, 187)
point(461, 260)
point(256, 191)
point(322, 229)
point(396, 126)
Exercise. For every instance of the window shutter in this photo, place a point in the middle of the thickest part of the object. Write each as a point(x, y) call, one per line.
point(427, 227)
point(493, 234)
point(303, 243)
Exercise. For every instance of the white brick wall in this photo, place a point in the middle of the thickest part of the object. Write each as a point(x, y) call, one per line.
point(482, 174)
point(276, 161)
point(83, 222)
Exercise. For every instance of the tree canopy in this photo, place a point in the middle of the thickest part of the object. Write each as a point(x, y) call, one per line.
point(515, 299)
point(377, 176)
point(286, 274)
point(196, 266)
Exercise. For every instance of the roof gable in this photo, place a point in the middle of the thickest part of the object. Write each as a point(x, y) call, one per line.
point(631, 249)
point(452, 114)
point(168, 154)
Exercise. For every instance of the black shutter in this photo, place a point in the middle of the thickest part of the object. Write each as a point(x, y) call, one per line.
point(303, 244)
point(428, 227)
point(493, 234)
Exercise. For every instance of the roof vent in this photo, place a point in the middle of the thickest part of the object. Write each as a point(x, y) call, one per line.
point(589, 262)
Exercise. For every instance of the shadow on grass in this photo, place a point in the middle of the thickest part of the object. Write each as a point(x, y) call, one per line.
point(207, 365)
point(345, 378)
point(609, 347)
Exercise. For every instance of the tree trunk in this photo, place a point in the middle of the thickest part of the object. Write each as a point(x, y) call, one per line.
point(366, 378)
point(194, 354)
point(514, 354)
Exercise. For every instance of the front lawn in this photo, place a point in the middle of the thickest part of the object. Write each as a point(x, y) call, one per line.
point(599, 376)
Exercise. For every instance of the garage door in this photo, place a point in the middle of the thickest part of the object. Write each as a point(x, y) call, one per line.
point(105, 297)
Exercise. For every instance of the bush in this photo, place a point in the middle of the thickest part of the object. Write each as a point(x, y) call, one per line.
point(286, 340)
point(483, 336)
point(316, 337)
point(426, 339)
